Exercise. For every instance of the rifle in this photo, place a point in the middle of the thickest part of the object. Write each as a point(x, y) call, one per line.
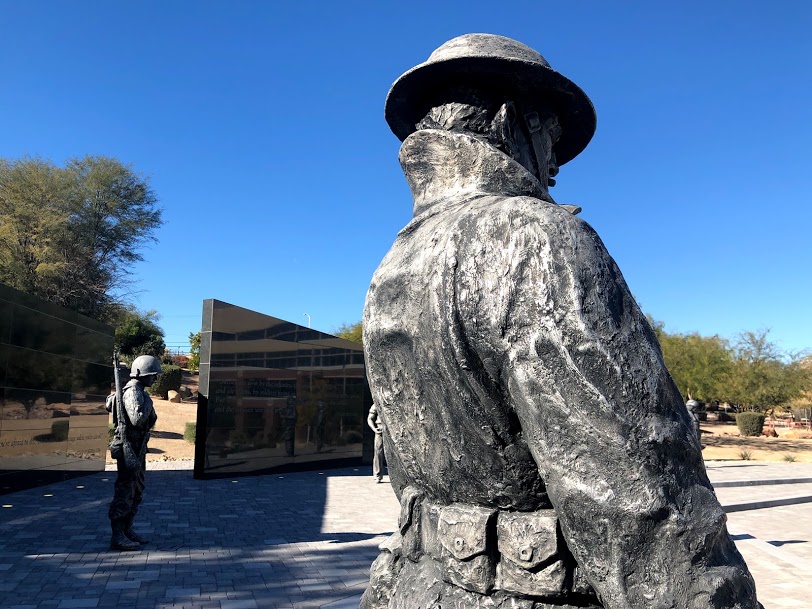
point(119, 397)
point(117, 444)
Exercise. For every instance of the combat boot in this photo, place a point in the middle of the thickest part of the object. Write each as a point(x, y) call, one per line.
point(131, 534)
point(119, 541)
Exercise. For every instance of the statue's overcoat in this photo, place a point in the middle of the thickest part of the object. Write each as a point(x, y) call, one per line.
point(514, 370)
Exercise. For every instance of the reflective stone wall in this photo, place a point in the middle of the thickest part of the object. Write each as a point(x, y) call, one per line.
point(55, 374)
point(274, 394)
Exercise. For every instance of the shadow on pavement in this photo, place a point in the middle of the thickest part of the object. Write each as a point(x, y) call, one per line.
point(727, 464)
point(778, 544)
point(266, 538)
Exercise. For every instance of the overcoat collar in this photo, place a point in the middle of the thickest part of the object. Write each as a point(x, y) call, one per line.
point(443, 166)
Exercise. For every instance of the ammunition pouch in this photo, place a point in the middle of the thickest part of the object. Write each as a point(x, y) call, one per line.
point(122, 451)
point(484, 550)
point(117, 448)
point(131, 459)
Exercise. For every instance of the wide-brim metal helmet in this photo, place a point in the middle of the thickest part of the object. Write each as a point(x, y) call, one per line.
point(144, 365)
point(496, 63)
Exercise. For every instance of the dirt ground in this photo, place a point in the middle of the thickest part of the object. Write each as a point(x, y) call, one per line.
point(166, 442)
point(722, 441)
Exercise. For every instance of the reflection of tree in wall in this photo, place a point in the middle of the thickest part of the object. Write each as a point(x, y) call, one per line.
point(39, 374)
point(341, 396)
point(353, 416)
point(29, 400)
point(221, 412)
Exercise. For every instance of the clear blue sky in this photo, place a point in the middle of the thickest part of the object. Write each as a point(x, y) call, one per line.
point(260, 125)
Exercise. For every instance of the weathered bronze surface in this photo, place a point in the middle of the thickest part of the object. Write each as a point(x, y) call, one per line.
point(542, 454)
point(134, 416)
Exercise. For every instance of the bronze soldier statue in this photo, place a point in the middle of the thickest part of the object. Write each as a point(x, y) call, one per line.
point(375, 423)
point(541, 452)
point(133, 416)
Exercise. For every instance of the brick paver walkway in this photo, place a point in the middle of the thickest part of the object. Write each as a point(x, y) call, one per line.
point(302, 540)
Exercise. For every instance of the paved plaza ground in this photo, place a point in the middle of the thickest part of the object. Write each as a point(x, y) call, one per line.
point(306, 540)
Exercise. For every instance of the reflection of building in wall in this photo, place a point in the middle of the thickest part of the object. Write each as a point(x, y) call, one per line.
point(55, 373)
point(274, 394)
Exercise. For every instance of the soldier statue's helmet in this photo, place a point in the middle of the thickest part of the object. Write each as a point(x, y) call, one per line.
point(144, 365)
point(500, 64)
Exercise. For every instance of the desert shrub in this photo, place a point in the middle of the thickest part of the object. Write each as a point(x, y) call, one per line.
point(190, 431)
point(169, 379)
point(59, 430)
point(353, 437)
point(745, 455)
point(789, 458)
point(750, 423)
point(180, 360)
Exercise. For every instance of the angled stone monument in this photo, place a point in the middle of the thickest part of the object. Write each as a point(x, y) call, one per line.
point(541, 453)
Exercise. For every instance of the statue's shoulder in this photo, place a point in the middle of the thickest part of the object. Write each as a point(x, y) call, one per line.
point(525, 210)
point(535, 226)
point(134, 392)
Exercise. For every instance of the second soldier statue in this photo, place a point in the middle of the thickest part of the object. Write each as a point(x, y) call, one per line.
point(133, 418)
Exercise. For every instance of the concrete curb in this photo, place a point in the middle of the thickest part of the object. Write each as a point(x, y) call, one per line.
point(737, 483)
point(769, 503)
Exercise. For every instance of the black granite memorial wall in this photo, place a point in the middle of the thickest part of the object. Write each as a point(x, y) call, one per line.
point(275, 395)
point(55, 374)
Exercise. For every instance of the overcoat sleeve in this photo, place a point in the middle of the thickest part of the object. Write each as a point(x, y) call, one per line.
point(139, 407)
point(548, 312)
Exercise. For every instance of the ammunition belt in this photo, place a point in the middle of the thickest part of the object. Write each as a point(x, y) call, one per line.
point(484, 549)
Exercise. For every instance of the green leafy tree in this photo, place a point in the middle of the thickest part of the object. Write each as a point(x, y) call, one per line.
point(802, 404)
point(33, 220)
point(194, 351)
point(753, 373)
point(700, 365)
point(353, 332)
point(763, 375)
point(71, 234)
point(138, 333)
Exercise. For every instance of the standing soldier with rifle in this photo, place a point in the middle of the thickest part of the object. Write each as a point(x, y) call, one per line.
point(133, 417)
